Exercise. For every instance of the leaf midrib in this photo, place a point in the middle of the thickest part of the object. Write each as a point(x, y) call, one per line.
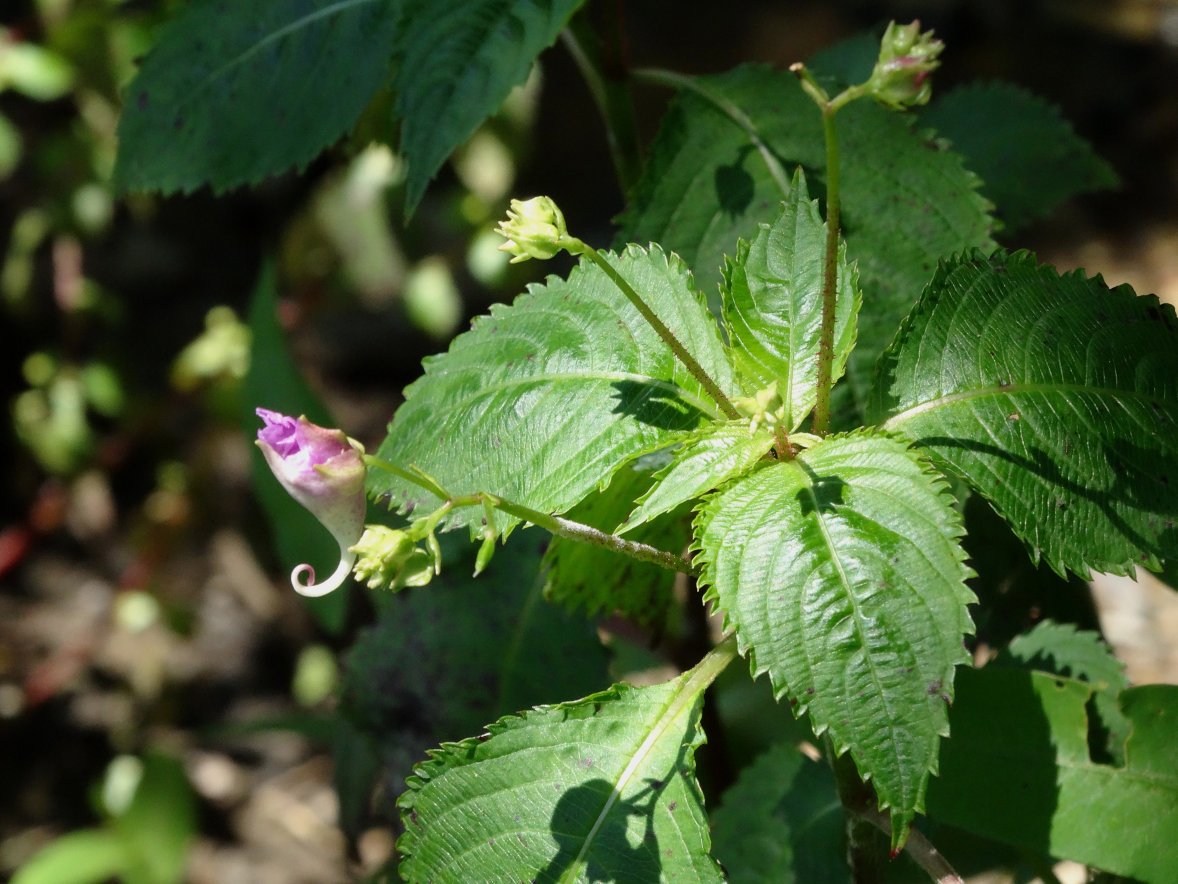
point(682, 698)
point(678, 392)
point(949, 399)
point(847, 586)
point(273, 36)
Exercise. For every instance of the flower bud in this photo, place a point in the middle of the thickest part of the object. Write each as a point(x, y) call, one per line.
point(388, 557)
point(906, 58)
point(534, 228)
point(765, 408)
point(322, 469)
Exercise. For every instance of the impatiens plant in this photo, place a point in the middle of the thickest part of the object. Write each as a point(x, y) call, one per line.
point(809, 449)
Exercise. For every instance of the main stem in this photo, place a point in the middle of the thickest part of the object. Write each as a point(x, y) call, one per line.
point(829, 273)
point(668, 336)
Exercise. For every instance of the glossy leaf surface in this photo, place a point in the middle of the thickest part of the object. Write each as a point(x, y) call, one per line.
point(722, 162)
point(598, 789)
point(772, 305)
point(1054, 397)
point(715, 454)
point(542, 400)
point(843, 575)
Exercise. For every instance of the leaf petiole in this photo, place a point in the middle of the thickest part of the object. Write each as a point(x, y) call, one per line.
point(575, 246)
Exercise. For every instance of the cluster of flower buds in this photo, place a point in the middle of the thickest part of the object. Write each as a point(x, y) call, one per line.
point(390, 558)
point(534, 228)
point(765, 408)
point(906, 58)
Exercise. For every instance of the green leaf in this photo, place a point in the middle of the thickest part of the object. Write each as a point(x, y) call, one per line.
point(842, 574)
point(782, 821)
point(717, 453)
point(1055, 397)
point(772, 305)
point(236, 91)
point(160, 823)
point(719, 166)
point(1017, 770)
point(458, 63)
point(601, 789)
point(446, 659)
point(581, 575)
point(1028, 156)
point(90, 856)
point(1062, 649)
point(275, 381)
point(541, 401)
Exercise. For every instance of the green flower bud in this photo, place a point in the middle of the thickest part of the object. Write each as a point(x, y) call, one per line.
point(765, 408)
point(906, 58)
point(389, 557)
point(534, 228)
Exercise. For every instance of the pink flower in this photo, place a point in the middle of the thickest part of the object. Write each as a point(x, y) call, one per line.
point(323, 470)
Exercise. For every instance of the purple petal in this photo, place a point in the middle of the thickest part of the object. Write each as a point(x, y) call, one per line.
point(280, 432)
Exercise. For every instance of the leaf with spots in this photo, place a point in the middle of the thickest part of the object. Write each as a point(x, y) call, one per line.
point(237, 90)
point(843, 575)
point(543, 400)
point(600, 789)
point(1054, 397)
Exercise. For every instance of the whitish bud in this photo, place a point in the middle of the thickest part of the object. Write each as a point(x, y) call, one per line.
point(533, 228)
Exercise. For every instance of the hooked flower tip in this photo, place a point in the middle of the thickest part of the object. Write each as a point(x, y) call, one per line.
point(324, 471)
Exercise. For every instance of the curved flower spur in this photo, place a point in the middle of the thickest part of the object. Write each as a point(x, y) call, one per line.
point(324, 471)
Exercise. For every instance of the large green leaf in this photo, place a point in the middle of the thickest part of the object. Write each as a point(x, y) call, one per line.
point(720, 165)
point(459, 62)
point(1081, 654)
point(601, 789)
point(1054, 397)
point(782, 821)
point(772, 305)
point(842, 574)
point(593, 578)
point(541, 401)
point(1017, 770)
point(1028, 156)
point(444, 660)
point(720, 451)
point(235, 91)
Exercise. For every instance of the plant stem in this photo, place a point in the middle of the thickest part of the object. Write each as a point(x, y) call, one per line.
point(588, 534)
point(610, 93)
point(829, 274)
point(864, 848)
point(577, 247)
point(555, 524)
